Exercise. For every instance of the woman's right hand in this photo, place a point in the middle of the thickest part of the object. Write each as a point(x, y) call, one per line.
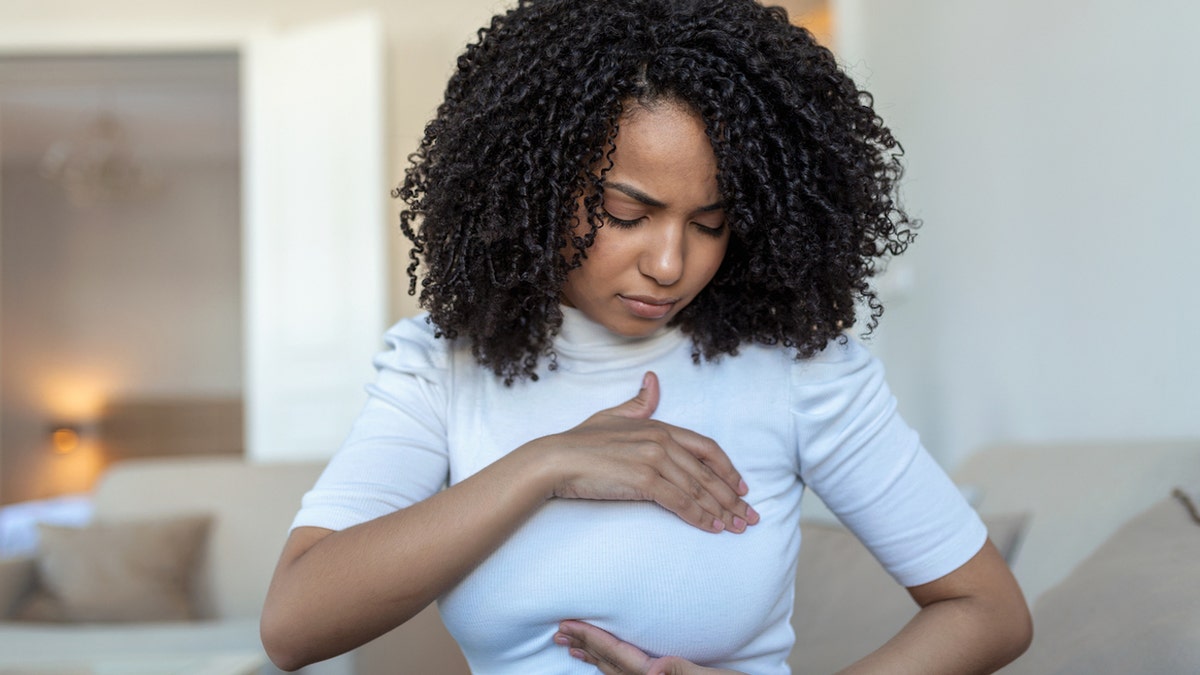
point(622, 454)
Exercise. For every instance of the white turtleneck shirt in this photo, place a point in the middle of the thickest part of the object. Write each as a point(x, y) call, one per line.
point(434, 416)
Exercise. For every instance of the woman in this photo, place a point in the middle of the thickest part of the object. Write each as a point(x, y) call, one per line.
point(682, 198)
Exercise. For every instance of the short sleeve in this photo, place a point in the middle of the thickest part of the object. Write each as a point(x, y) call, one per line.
point(396, 452)
point(871, 470)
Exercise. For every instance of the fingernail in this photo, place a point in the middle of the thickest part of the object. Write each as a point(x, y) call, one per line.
point(751, 514)
point(576, 653)
point(742, 487)
point(738, 524)
point(561, 639)
point(718, 525)
point(645, 380)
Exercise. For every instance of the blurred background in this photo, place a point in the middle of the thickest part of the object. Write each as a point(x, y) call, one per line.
point(198, 253)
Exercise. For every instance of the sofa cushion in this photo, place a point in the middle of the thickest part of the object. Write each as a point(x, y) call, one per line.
point(847, 605)
point(139, 570)
point(1130, 607)
point(252, 506)
point(1079, 494)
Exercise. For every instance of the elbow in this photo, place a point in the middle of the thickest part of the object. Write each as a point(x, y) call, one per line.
point(283, 662)
point(279, 642)
point(1022, 636)
point(1016, 630)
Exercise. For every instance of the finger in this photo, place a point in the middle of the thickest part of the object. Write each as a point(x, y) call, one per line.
point(688, 481)
point(601, 648)
point(671, 665)
point(708, 452)
point(673, 489)
point(697, 455)
point(698, 480)
point(644, 404)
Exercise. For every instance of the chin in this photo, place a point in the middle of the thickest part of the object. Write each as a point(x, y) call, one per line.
point(636, 328)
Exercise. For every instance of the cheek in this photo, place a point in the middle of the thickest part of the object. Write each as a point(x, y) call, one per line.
point(589, 278)
point(715, 257)
point(574, 290)
point(612, 250)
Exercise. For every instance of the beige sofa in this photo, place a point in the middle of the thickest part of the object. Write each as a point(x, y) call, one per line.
point(1106, 556)
point(248, 509)
point(1111, 560)
point(1052, 508)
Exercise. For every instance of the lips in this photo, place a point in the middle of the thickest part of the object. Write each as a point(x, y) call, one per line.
point(648, 307)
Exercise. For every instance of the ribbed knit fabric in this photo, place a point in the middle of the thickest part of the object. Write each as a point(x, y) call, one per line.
point(634, 569)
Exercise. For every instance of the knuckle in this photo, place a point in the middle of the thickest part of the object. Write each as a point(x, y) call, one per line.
point(652, 452)
point(708, 446)
point(731, 502)
point(684, 507)
point(695, 514)
point(709, 478)
point(644, 477)
point(722, 492)
point(716, 485)
point(658, 433)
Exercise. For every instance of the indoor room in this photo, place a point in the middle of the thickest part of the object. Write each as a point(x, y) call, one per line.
point(200, 254)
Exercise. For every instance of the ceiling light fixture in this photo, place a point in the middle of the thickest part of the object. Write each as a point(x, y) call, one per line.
point(99, 166)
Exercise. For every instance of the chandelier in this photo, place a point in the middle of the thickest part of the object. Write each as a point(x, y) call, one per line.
point(99, 166)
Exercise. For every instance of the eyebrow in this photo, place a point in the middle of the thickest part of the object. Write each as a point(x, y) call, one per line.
point(646, 199)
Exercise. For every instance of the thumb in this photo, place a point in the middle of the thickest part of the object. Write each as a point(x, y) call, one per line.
point(643, 405)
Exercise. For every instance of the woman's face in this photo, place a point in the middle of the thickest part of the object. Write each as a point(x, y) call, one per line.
point(663, 235)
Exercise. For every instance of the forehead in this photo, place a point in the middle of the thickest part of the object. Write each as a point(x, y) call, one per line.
point(665, 150)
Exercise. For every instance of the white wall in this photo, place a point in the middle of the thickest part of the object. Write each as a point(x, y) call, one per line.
point(1052, 155)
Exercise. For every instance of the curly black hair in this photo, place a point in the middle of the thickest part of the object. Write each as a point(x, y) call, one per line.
point(806, 168)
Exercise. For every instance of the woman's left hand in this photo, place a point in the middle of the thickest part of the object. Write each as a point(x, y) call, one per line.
point(616, 657)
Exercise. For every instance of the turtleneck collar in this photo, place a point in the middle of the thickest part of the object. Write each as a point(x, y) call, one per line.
point(583, 342)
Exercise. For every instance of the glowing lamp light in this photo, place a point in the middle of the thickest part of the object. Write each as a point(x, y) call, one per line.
point(65, 438)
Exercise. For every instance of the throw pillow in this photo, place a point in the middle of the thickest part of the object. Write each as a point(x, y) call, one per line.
point(1130, 607)
point(118, 571)
point(847, 605)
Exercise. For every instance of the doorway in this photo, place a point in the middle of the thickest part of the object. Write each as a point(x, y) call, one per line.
point(120, 258)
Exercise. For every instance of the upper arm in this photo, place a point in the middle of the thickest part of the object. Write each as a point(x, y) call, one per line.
point(984, 582)
point(870, 469)
point(396, 454)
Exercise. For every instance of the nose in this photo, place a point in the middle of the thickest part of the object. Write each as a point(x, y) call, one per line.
point(663, 254)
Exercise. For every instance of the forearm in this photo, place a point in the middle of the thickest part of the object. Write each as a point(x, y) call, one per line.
point(946, 637)
point(353, 585)
point(977, 623)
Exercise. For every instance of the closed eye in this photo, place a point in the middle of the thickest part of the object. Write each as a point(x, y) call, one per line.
point(619, 222)
point(711, 231)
